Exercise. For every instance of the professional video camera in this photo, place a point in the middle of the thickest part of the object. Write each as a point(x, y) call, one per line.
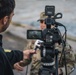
point(47, 40)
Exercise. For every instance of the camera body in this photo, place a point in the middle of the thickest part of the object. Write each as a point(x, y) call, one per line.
point(49, 35)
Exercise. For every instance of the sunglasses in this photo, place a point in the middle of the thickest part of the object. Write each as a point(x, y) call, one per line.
point(41, 21)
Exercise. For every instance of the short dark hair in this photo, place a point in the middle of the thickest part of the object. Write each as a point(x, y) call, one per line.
point(6, 7)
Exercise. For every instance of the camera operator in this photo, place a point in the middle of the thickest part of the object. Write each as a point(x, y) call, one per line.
point(7, 59)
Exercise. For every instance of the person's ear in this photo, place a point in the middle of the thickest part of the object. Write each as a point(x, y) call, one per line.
point(5, 19)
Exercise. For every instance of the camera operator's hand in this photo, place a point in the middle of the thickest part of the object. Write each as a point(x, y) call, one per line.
point(18, 67)
point(27, 57)
point(27, 54)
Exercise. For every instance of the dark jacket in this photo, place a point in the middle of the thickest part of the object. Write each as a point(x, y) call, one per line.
point(8, 59)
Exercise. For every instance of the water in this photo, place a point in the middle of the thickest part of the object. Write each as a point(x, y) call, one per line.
point(28, 11)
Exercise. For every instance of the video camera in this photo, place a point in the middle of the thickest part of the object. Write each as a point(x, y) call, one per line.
point(49, 36)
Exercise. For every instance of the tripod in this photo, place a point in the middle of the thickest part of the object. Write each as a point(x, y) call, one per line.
point(49, 68)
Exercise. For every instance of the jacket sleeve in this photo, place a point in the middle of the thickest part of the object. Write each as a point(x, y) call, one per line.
point(14, 56)
point(1, 66)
